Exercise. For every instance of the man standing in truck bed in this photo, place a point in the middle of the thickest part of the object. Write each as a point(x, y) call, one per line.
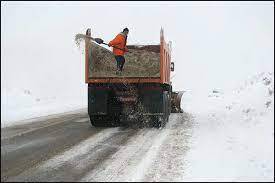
point(120, 43)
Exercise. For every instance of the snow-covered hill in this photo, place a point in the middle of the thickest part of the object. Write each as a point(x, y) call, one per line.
point(234, 132)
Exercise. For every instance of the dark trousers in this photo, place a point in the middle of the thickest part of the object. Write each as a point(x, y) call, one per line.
point(120, 60)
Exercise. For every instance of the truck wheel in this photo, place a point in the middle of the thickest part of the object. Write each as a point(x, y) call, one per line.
point(104, 121)
point(97, 121)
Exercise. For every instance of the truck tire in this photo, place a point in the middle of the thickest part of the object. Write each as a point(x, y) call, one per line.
point(104, 121)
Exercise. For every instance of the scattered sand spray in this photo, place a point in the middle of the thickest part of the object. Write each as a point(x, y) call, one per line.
point(79, 39)
point(139, 111)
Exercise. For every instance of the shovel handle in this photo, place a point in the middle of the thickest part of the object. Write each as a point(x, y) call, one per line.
point(114, 47)
point(94, 39)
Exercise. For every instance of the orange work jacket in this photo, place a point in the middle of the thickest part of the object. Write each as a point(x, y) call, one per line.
point(119, 42)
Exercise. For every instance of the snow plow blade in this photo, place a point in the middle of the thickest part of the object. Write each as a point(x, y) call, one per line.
point(175, 102)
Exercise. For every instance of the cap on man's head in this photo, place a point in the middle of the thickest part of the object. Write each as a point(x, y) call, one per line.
point(126, 29)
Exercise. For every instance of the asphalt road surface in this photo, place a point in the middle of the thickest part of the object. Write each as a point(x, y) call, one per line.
point(66, 147)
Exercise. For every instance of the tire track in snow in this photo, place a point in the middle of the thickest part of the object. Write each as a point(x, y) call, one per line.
point(132, 162)
point(23, 152)
point(117, 164)
point(168, 165)
point(72, 164)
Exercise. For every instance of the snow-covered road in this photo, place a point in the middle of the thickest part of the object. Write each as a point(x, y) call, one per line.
point(221, 136)
point(72, 150)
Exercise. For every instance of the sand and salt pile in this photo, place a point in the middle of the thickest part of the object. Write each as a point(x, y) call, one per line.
point(141, 61)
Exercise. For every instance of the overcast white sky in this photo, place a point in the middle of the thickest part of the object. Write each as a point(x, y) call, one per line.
point(214, 44)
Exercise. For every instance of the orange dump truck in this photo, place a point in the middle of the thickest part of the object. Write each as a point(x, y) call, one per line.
point(142, 95)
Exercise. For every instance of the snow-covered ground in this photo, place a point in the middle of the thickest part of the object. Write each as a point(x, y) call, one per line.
point(18, 105)
point(233, 135)
point(221, 136)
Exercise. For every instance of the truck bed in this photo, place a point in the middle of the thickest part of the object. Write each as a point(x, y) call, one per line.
point(139, 62)
point(144, 64)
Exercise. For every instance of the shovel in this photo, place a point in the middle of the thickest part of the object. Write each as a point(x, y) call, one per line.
point(100, 41)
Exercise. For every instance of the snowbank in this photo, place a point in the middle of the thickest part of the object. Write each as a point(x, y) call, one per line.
point(21, 104)
point(233, 138)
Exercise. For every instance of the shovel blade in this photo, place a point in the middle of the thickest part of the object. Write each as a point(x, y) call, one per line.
point(98, 40)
